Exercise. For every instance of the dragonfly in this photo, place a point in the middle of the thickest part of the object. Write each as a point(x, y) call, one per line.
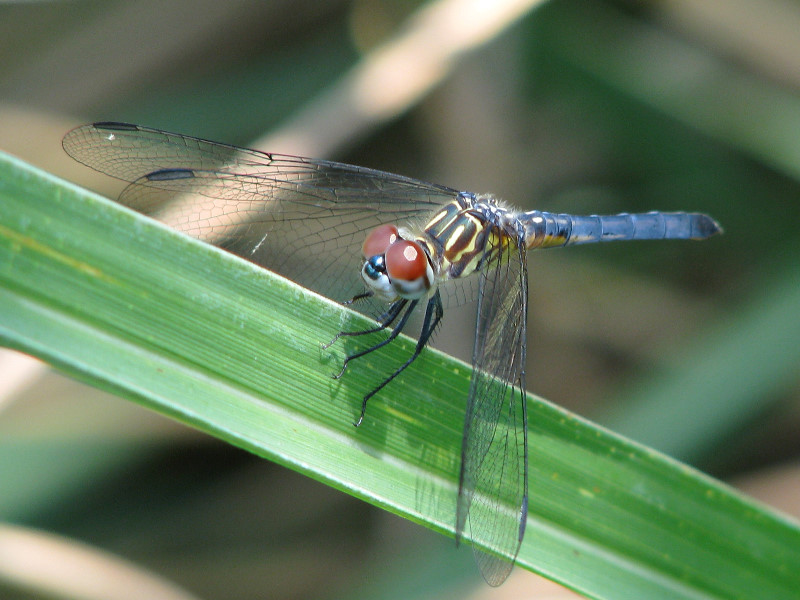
point(368, 237)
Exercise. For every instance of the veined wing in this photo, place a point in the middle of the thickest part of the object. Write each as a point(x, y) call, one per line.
point(493, 486)
point(303, 218)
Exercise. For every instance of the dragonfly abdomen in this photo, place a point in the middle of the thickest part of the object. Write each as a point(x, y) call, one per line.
point(548, 230)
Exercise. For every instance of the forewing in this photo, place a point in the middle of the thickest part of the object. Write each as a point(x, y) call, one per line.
point(303, 218)
point(493, 487)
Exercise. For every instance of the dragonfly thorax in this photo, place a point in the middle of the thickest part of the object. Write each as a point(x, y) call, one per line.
point(395, 267)
point(470, 233)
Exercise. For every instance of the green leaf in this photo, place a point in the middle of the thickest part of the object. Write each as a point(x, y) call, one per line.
point(127, 305)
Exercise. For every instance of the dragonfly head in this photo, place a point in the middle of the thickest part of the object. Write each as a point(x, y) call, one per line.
point(395, 267)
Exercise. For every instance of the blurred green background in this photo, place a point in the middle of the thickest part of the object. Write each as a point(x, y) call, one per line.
point(576, 106)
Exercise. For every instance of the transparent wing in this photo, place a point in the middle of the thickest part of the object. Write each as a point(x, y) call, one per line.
point(493, 487)
point(303, 218)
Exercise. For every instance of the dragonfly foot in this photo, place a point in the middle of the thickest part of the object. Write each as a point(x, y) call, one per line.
point(363, 412)
point(341, 371)
point(357, 297)
point(333, 341)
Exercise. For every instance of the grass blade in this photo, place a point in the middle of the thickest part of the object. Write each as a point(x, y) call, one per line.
point(127, 305)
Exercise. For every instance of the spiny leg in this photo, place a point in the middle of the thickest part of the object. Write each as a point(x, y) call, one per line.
point(433, 314)
point(384, 321)
point(395, 332)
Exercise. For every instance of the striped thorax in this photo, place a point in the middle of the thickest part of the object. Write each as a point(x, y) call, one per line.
point(469, 233)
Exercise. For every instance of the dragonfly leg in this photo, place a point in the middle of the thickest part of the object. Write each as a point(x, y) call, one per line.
point(395, 332)
point(433, 314)
point(357, 297)
point(384, 321)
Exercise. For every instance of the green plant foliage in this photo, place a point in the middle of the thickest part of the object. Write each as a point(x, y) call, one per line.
point(125, 304)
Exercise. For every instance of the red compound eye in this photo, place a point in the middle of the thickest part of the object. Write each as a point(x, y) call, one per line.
point(406, 261)
point(378, 240)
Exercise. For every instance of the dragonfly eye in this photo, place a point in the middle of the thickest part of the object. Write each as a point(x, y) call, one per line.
point(377, 281)
point(375, 267)
point(379, 240)
point(409, 269)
